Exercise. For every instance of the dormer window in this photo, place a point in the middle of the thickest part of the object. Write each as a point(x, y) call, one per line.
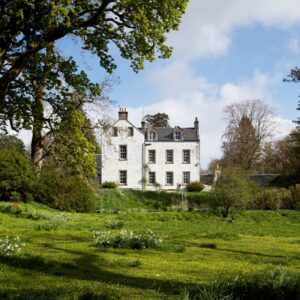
point(152, 136)
point(177, 135)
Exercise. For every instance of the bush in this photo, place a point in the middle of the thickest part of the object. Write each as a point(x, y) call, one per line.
point(17, 176)
point(109, 185)
point(195, 186)
point(65, 192)
point(127, 239)
point(295, 193)
point(285, 180)
point(10, 245)
point(273, 198)
point(233, 189)
point(114, 224)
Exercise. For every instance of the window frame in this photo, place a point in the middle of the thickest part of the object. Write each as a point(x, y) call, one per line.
point(168, 173)
point(189, 156)
point(120, 176)
point(180, 135)
point(115, 131)
point(120, 152)
point(131, 131)
point(151, 133)
point(166, 159)
point(183, 177)
point(151, 161)
point(152, 173)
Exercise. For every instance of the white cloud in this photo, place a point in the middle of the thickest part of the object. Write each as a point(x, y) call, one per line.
point(188, 96)
point(208, 26)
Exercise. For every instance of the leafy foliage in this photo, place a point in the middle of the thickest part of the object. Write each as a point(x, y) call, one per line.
point(17, 176)
point(136, 27)
point(65, 192)
point(195, 186)
point(157, 120)
point(109, 185)
point(233, 189)
point(127, 239)
point(11, 142)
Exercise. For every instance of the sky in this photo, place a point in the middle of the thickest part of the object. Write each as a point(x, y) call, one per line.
point(224, 52)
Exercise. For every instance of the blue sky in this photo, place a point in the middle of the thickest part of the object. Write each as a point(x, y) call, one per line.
point(225, 51)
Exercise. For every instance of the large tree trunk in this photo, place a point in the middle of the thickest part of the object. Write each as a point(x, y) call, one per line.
point(37, 142)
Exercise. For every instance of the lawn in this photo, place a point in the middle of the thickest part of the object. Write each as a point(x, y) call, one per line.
point(200, 249)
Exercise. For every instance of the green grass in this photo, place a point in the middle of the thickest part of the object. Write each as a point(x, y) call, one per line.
point(200, 252)
point(130, 200)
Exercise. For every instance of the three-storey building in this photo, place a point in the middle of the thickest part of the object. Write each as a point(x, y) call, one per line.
point(145, 158)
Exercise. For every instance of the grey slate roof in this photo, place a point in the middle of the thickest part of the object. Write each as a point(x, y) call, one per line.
point(165, 134)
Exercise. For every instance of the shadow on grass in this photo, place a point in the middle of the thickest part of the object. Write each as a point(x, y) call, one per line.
point(214, 247)
point(88, 266)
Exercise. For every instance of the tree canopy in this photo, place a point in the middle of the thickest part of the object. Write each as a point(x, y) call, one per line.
point(250, 124)
point(137, 28)
point(157, 120)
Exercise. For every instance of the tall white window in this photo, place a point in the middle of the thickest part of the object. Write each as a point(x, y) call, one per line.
point(169, 156)
point(186, 177)
point(186, 156)
point(152, 179)
point(123, 177)
point(169, 178)
point(123, 152)
point(151, 157)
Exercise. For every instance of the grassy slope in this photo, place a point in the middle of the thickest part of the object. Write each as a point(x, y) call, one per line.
point(122, 200)
point(198, 248)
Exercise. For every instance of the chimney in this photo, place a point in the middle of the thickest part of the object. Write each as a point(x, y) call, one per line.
point(143, 123)
point(196, 126)
point(123, 114)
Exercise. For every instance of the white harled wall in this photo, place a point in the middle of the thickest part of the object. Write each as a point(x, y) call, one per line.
point(178, 167)
point(111, 164)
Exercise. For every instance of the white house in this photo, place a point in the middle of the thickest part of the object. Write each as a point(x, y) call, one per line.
point(145, 158)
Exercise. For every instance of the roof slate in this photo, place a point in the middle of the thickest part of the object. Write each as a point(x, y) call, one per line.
point(165, 134)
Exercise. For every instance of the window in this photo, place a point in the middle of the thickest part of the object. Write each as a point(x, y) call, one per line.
point(123, 177)
point(169, 178)
point(131, 131)
point(169, 156)
point(186, 156)
point(152, 136)
point(152, 178)
point(115, 131)
point(177, 135)
point(186, 177)
point(123, 152)
point(152, 157)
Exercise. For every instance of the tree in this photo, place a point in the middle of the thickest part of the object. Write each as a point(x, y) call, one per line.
point(233, 189)
point(41, 98)
point(157, 120)
point(72, 151)
point(250, 126)
point(136, 27)
point(11, 142)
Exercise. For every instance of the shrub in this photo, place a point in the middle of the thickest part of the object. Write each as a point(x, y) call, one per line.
point(295, 193)
point(195, 186)
point(48, 225)
point(114, 224)
point(109, 185)
point(233, 189)
point(17, 176)
point(127, 239)
point(65, 192)
point(273, 198)
point(285, 180)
